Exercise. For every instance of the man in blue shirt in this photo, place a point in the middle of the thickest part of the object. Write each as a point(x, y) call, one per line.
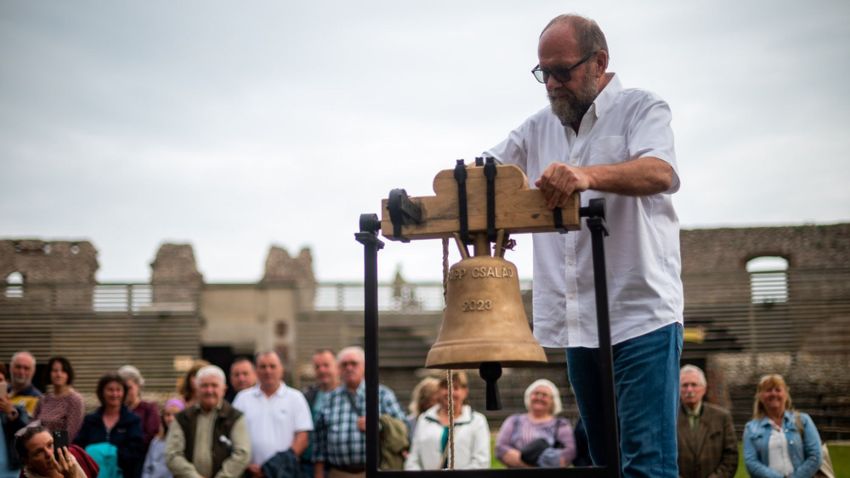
point(341, 426)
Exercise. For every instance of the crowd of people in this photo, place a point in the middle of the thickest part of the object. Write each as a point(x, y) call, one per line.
point(266, 429)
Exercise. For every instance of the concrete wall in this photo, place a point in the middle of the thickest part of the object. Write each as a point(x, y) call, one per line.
point(250, 317)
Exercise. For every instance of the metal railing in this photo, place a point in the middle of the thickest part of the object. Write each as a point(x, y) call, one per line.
point(99, 298)
point(407, 297)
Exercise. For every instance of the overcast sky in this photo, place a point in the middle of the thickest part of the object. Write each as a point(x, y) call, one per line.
point(237, 125)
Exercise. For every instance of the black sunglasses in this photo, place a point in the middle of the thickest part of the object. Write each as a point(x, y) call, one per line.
point(561, 74)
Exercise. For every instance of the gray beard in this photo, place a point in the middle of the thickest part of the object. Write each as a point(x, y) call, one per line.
point(570, 108)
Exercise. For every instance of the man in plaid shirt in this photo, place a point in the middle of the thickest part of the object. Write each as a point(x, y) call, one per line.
point(341, 425)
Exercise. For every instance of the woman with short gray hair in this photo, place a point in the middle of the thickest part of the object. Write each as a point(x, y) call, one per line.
point(148, 412)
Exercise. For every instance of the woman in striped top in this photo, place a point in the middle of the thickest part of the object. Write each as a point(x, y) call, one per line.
point(62, 408)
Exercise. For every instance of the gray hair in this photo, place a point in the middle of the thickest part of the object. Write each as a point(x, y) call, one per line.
point(696, 370)
point(588, 34)
point(129, 372)
point(556, 395)
point(210, 371)
point(354, 349)
point(22, 353)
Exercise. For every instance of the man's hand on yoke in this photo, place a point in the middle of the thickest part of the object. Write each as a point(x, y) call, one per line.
point(559, 181)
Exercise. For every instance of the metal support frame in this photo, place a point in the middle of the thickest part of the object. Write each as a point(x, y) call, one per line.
point(368, 236)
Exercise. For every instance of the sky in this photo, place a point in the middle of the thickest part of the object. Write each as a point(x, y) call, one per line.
point(235, 126)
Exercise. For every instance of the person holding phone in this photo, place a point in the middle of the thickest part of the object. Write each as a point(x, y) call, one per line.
point(41, 458)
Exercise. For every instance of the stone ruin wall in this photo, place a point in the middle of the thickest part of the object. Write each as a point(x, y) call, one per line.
point(722, 255)
point(281, 267)
point(54, 273)
point(174, 275)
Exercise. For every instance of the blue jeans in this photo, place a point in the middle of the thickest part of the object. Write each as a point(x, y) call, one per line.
point(646, 381)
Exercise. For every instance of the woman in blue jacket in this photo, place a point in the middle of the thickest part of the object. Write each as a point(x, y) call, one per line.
point(779, 442)
point(115, 424)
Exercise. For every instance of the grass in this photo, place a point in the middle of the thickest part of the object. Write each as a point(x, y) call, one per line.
point(840, 454)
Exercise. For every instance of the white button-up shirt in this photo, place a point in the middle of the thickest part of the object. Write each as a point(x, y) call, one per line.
point(273, 421)
point(642, 251)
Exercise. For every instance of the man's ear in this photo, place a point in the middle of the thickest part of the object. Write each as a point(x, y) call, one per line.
point(601, 60)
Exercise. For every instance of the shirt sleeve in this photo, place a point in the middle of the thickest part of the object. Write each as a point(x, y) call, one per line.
point(512, 150)
point(480, 443)
point(175, 458)
point(755, 468)
point(240, 455)
point(811, 448)
point(239, 402)
point(729, 458)
point(321, 436)
point(76, 412)
point(148, 465)
point(303, 415)
point(150, 427)
point(389, 404)
point(567, 439)
point(503, 441)
point(650, 135)
point(82, 438)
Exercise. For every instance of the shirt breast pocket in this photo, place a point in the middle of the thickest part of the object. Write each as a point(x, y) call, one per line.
point(608, 150)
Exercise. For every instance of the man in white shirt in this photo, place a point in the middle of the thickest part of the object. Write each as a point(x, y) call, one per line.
point(278, 416)
point(606, 141)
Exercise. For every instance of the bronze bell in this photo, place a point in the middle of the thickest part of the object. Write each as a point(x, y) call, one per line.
point(484, 320)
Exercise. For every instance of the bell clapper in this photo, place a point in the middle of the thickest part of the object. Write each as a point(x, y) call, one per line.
point(490, 372)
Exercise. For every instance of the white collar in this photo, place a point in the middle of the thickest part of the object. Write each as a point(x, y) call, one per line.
point(464, 418)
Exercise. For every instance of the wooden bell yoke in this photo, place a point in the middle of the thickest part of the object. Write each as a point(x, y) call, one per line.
point(497, 197)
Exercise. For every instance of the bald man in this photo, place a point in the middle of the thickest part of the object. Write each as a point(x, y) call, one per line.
point(22, 391)
point(606, 141)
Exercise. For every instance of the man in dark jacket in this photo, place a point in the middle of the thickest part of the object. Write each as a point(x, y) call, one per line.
point(707, 443)
point(209, 439)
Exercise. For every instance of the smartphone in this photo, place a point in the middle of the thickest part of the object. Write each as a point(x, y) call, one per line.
point(60, 439)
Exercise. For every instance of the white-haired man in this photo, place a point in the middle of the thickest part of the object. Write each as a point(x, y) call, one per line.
point(707, 443)
point(22, 391)
point(279, 418)
point(209, 439)
point(341, 427)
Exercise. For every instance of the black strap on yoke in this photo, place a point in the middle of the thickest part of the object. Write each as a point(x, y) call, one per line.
point(490, 174)
point(559, 220)
point(402, 211)
point(460, 177)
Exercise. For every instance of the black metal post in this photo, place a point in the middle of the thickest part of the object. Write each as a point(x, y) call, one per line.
point(595, 213)
point(368, 236)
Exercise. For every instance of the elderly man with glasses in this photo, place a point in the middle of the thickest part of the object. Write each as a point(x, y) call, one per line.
point(708, 447)
point(341, 426)
point(605, 141)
